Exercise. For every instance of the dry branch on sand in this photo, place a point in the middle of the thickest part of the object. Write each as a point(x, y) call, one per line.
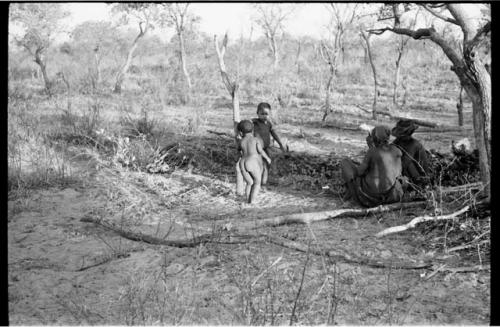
point(311, 217)
point(226, 238)
point(346, 257)
point(415, 221)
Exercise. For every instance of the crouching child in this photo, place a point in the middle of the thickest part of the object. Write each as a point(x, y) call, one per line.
point(250, 167)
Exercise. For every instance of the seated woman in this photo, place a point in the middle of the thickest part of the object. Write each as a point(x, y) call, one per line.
point(415, 160)
point(376, 180)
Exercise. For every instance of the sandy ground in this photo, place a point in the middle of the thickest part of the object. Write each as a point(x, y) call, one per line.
point(65, 271)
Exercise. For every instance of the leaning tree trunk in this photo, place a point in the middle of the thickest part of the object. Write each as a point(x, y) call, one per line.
point(481, 118)
point(232, 87)
point(41, 64)
point(183, 60)
point(374, 71)
point(396, 77)
point(460, 107)
point(120, 77)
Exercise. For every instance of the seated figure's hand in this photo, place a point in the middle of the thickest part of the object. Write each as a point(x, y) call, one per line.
point(268, 161)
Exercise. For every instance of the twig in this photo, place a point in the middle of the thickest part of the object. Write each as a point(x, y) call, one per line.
point(301, 284)
point(466, 246)
point(460, 188)
point(105, 260)
point(418, 220)
point(466, 269)
point(343, 257)
point(265, 270)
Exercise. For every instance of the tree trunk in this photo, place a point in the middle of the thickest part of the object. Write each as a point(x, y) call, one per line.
point(275, 53)
point(41, 64)
point(374, 70)
point(460, 108)
point(98, 71)
point(396, 77)
point(328, 88)
point(232, 87)
point(123, 71)
point(297, 58)
point(183, 60)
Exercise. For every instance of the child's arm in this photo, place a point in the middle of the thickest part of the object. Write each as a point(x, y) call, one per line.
point(263, 153)
point(277, 138)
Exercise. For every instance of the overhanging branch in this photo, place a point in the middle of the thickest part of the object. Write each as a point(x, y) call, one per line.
point(439, 15)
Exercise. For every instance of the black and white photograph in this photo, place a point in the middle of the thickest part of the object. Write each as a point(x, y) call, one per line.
point(249, 163)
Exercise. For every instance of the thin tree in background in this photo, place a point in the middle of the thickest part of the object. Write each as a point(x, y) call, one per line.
point(474, 20)
point(94, 38)
point(342, 19)
point(271, 17)
point(177, 15)
point(144, 14)
point(231, 86)
point(40, 23)
point(366, 37)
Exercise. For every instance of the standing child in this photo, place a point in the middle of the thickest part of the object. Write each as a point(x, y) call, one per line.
point(250, 166)
point(263, 129)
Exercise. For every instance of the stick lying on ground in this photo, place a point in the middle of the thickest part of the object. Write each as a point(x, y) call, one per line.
point(241, 239)
point(418, 220)
point(311, 217)
point(346, 257)
point(460, 188)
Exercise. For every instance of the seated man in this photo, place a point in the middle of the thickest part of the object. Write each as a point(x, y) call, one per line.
point(376, 180)
point(250, 167)
point(415, 161)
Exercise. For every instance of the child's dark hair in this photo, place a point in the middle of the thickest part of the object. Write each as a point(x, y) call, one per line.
point(263, 105)
point(245, 126)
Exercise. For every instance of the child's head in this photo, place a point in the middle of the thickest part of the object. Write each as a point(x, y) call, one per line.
point(245, 126)
point(380, 135)
point(263, 110)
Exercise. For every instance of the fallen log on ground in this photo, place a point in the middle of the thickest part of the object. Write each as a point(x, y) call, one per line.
point(415, 221)
point(193, 242)
point(241, 239)
point(311, 217)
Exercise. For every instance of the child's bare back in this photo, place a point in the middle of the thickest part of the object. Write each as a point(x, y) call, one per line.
point(250, 167)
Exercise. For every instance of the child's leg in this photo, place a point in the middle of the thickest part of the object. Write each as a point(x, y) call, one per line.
point(239, 179)
point(264, 173)
point(266, 168)
point(255, 169)
point(247, 177)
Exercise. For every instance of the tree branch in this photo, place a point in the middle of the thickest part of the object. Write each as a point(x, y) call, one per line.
point(418, 220)
point(438, 15)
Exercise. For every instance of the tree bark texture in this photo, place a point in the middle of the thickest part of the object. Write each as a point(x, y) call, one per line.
point(374, 71)
point(232, 87)
point(43, 69)
point(120, 77)
point(460, 108)
point(183, 59)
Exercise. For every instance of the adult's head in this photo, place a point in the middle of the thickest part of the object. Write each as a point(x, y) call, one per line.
point(245, 126)
point(404, 128)
point(380, 135)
